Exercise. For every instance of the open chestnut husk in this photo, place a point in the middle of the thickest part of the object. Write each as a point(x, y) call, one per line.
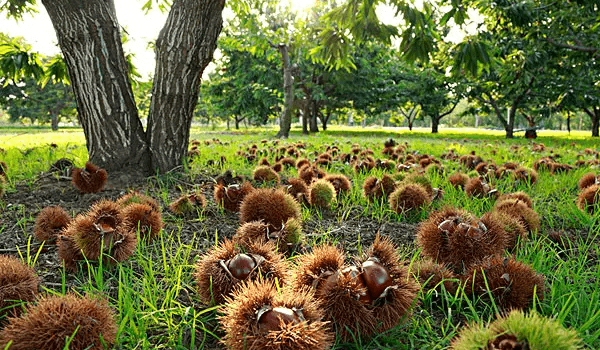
point(340, 294)
point(222, 268)
point(387, 277)
point(257, 316)
point(454, 237)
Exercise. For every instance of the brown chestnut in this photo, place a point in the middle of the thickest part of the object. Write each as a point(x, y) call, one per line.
point(376, 278)
point(270, 318)
point(241, 265)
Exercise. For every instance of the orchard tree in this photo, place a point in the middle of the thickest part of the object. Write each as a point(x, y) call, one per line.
point(90, 40)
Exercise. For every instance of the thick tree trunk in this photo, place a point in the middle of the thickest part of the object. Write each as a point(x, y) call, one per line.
point(89, 37)
point(435, 122)
point(285, 122)
point(184, 48)
point(54, 121)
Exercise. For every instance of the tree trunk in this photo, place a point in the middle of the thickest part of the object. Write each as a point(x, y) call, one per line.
point(54, 121)
point(435, 122)
point(305, 116)
point(184, 48)
point(314, 127)
point(326, 119)
point(285, 123)
point(596, 122)
point(89, 37)
point(595, 117)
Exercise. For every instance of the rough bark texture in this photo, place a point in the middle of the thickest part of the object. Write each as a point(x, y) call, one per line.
point(89, 37)
point(594, 114)
point(184, 48)
point(285, 122)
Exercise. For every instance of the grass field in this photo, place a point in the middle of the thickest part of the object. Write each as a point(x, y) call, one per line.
point(155, 296)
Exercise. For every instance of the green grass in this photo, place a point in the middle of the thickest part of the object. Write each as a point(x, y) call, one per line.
point(154, 295)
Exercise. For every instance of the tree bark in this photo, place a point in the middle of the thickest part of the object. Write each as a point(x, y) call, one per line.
point(314, 127)
point(435, 122)
point(285, 122)
point(184, 48)
point(594, 115)
point(89, 37)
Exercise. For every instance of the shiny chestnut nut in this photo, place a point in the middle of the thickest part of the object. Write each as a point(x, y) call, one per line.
point(242, 265)
point(377, 278)
point(270, 318)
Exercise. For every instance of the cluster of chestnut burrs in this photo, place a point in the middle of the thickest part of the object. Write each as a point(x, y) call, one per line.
point(109, 229)
point(457, 245)
point(268, 303)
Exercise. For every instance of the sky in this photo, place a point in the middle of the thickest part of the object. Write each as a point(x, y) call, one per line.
point(141, 30)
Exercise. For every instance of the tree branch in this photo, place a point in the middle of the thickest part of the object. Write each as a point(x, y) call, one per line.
point(581, 48)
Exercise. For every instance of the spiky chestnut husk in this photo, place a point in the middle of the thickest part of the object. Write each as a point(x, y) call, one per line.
point(3, 170)
point(522, 196)
point(143, 217)
point(321, 193)
point(432, 275)
point(135, 197)
point(340, 182)
point(231, 197)
point(543, 164)
point(478, 187)
point(514, 228)
point(68, 253)
point(18, 282)
point(215, 282)
point(300, 163)
point(453, 237)
point(503, 172)
point(90, 179)
point(420, 179)
point(87, 322)
point(50, 222)
point(364, 165)
point(286, 239)
point(273, 206)
point(407, 197)
point(375, 189)
point(511, 283)
point(528, 176)
point(518, 331)
point(589, 198)
point(188, 203)
point(287, 162)
point(395, 303)
point(309, 173)
point(264, 161)
point(243, 320)
point(297, 188)
point(2, 186)
point(458, 180)
point(588, 180)
point(519, 209)
point(102, 224)
point(337, 293)
point(265, 173)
